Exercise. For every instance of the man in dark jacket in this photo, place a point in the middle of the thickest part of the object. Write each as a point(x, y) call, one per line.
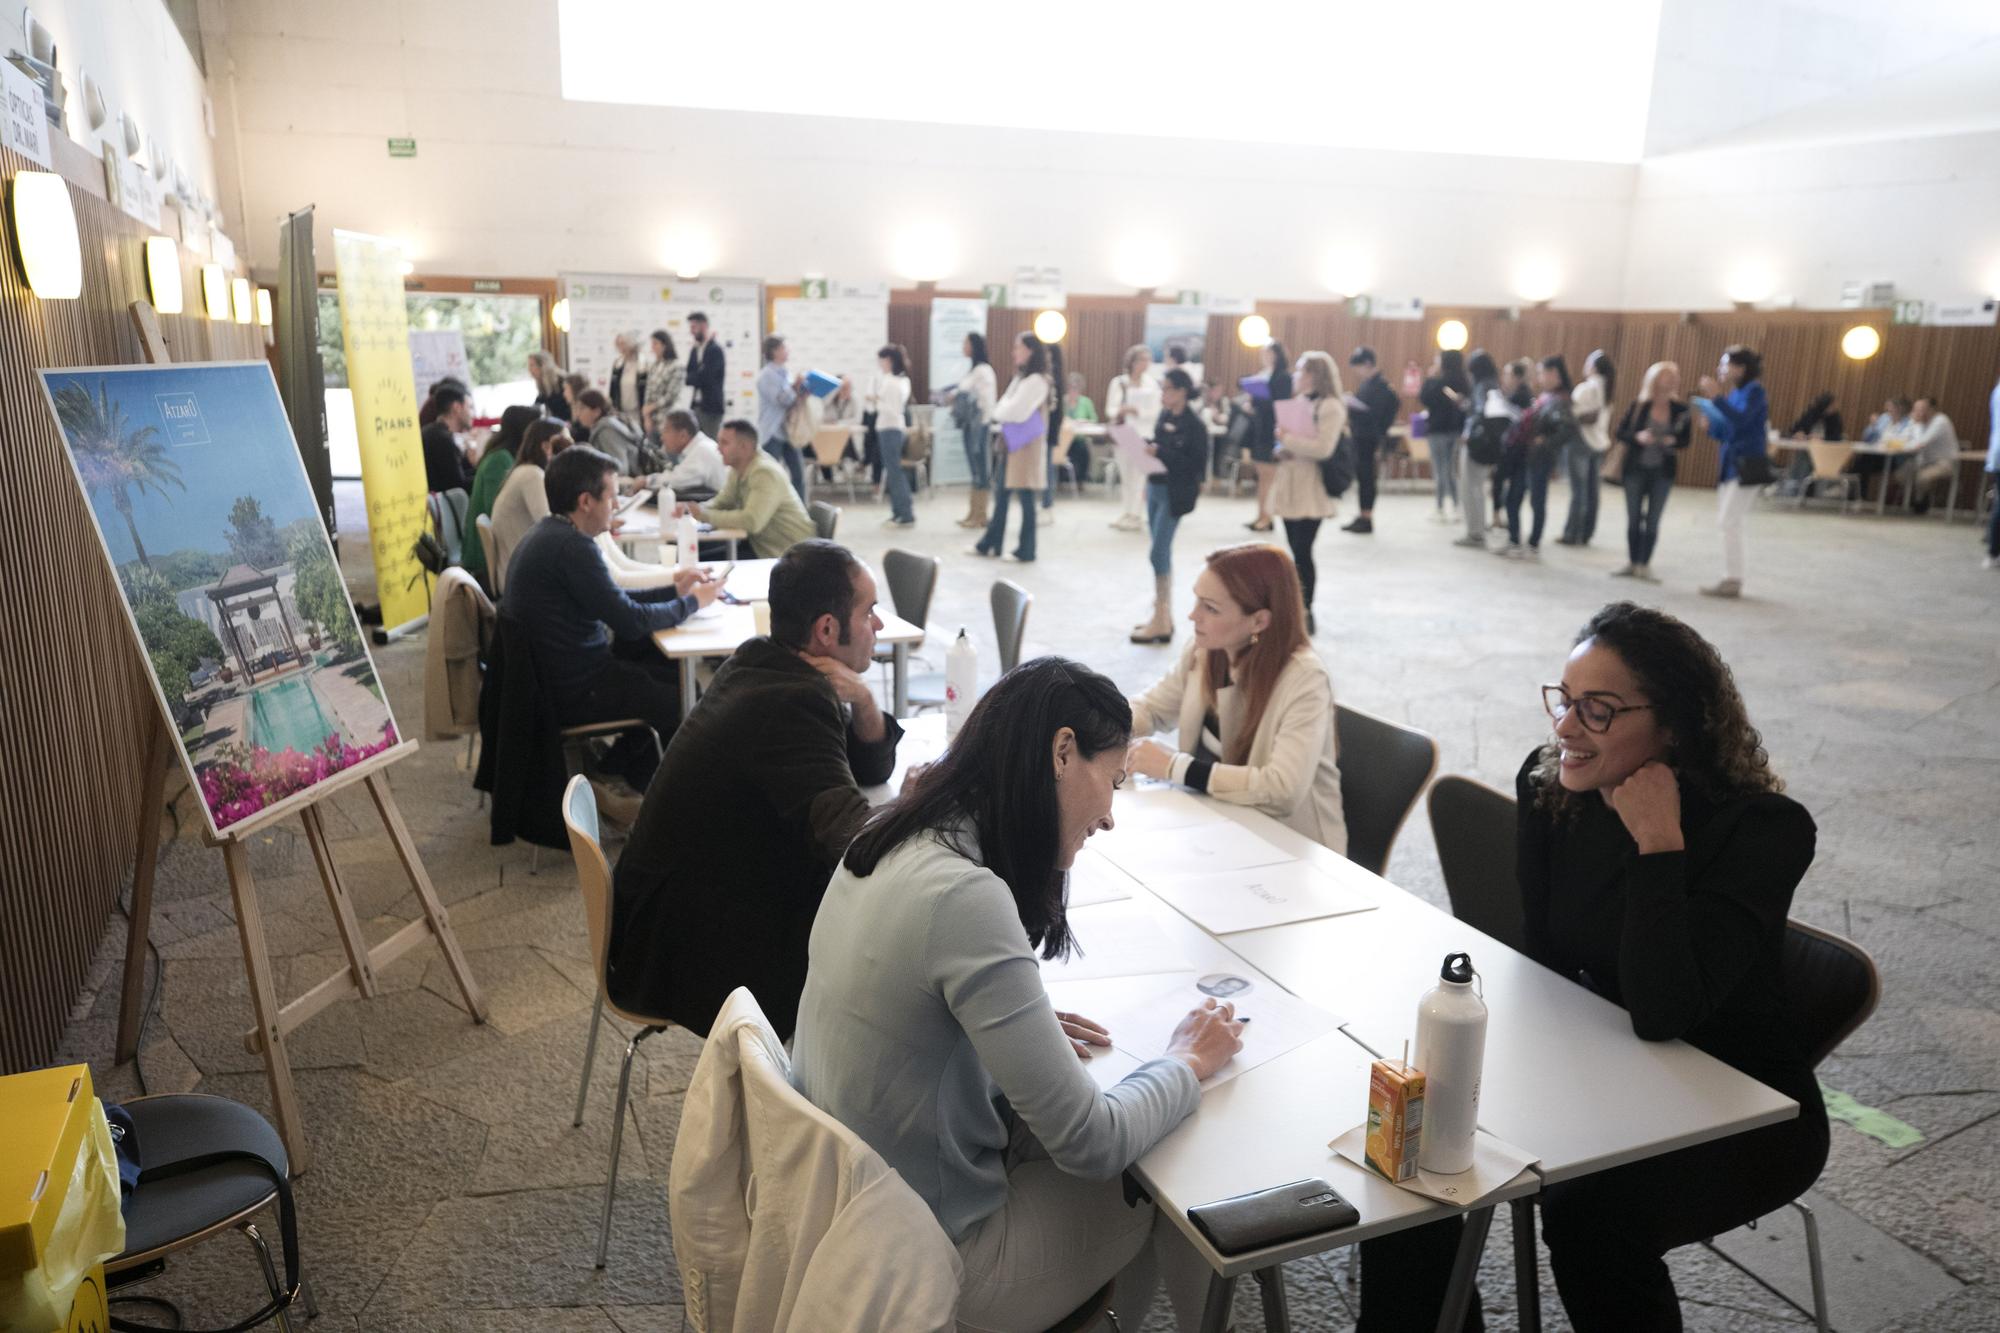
point(707, 371)
point(445, 467)
point(592, 640)
point(1371, 410)
point(757, 800)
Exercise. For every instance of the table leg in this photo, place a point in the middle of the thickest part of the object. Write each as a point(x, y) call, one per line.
point(1277, 1319)
point(1527, 1279)
point(1215, 1310)
point(732, 550)
point(687, 665)
point(899, 670)
point(1464, 1270)
point(1882, 494)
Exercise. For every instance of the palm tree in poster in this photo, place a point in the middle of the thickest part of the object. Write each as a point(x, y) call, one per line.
point(112, 458)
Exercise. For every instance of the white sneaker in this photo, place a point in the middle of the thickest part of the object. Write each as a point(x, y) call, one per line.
point(1439, 516)
point(1990, 562)
point(1510, 552)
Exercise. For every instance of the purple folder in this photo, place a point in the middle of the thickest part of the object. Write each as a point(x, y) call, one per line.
point(1257, 386)
point(1021, 434)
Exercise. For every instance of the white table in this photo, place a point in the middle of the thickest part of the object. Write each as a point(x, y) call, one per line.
point(1888, 452)
point(641, 529)
point(720, 629)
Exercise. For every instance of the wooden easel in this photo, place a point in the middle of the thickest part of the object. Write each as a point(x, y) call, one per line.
point(274, 1021)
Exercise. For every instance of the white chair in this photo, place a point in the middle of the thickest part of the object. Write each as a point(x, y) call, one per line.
point(489, 546)
point(593, 877)
point(1829, 464)
point(829, 450)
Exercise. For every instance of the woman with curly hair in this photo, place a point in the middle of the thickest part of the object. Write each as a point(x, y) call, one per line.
point(1657, 864)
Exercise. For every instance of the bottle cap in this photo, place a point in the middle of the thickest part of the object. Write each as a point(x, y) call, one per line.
point(1457, 969)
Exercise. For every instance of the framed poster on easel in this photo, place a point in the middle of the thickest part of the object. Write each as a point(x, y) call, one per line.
point(267, 695)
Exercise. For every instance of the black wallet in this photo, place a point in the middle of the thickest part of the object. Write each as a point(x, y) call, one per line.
point(1272, 1216)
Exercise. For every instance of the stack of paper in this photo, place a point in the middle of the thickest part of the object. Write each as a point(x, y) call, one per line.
point(1141, 1014)
point(1146, 856)
point(1092, 879)
point(1271, 895)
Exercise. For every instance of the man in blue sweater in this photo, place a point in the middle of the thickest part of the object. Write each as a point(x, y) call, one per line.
point(592, 640)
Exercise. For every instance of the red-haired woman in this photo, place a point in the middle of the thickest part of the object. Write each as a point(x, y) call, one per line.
point(1252, 701)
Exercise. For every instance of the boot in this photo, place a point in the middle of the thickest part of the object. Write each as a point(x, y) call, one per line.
point(1160, 629)
point(975, 517)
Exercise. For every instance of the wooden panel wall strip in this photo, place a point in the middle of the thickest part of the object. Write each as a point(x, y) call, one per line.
point(76, 705)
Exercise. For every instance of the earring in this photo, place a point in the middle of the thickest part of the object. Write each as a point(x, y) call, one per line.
point(1253, 638)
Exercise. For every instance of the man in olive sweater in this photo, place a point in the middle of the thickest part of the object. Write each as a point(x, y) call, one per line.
point(757, 799)
point(757, 496)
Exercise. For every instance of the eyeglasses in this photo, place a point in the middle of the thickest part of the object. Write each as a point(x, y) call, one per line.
point(1596, 714)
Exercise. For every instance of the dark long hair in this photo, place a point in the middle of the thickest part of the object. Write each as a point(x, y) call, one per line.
point(1554, 361)
point(1601, 360)
point(1736, 354)
point(1482, 367)
point(978, 344)
point(1451, 370)
point(514, 423)
point(1715, 750)
point(1056, 382)
point(997, 778)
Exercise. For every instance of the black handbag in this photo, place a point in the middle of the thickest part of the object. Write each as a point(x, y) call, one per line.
point(1336, 470)
point(1754, 469)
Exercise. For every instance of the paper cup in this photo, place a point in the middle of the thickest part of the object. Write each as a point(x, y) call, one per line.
point(667, 554)
point(761, 613)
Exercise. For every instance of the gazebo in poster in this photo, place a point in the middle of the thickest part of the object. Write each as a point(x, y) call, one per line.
point(249, 590)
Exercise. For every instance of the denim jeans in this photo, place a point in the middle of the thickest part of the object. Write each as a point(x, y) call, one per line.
point(1444, 465)
point(1582, 464)
point(996, 527)
point(978, 441)
point(1161, 520)
point(1645, 497)
point(787, 453)
point(894, 477)
point(1530, 478)
point(1473, 483)
point(1992, 519)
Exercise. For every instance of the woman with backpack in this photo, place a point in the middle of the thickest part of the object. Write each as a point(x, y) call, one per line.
point(1298, 490)
point(1488, 415)
point(1446, 396)
point(1532, 447)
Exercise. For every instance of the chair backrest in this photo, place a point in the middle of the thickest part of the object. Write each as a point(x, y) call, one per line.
point(1420, 448)
point(829, 444)
point(1010, 620)
point(1828, 460)
point(486, 544)
point(1475, 830)
point(593, 872)
point(447, 509)
point(825, 517)
point(1383, 768)
point(912, 580)
point(1831, 987)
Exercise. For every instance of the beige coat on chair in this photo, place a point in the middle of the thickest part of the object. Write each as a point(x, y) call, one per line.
point(1292, 772)
point(461, 623)
point(782, 1218)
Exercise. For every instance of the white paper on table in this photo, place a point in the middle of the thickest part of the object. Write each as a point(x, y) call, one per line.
point(1279, 1020)
point(1093, 879)
point(1273, 895)
point(1222, 846)
point(1152, 808)
point(1094, 998)
point(1118, 939)
point(1132, 452)
point(1494, 1163)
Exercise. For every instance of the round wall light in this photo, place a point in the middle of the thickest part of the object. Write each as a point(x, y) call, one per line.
point(1051, 325)
point(45, 237)
point(1452, 336)
point(1254, 332)
point(559, 314)
point(163, 274)
point(1860, 342)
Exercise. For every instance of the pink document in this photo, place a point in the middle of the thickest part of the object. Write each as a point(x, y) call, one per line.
point(1132, 451)
point(1296, 416)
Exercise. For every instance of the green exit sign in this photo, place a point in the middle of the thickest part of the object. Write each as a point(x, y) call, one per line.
point(995, 293)
point(402, 148)
point(814, 289)
point(1907, 312)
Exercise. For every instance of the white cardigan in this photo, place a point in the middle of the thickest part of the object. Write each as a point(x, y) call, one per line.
point(1293, 770)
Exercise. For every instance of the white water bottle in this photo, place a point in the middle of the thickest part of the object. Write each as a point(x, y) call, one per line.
point(665, 499)
point(1451, 1047)
point(686, 537)
point(961, 683)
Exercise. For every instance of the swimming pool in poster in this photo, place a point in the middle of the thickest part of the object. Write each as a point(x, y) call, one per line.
point(287, 715)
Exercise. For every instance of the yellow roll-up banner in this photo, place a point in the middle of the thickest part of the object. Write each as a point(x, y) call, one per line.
point(375, 325)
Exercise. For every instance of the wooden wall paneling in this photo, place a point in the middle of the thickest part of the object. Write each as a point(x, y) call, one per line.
point(78, 709)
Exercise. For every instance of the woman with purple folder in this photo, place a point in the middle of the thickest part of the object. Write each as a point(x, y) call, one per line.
point(1023, 415)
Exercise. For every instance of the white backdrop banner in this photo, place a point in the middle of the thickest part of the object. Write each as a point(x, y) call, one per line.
point(603, 305)
point(838, 335)
point(436, 353)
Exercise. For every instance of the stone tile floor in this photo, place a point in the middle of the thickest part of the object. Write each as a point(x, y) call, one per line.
point(450, 1193)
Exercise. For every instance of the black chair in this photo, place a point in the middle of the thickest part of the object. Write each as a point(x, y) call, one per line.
point(1831, 987)
point(1383, 768)
point(1475, 830)
point(912, 580)
point(208, 1165)
point(825, 517)
point(1010, 620)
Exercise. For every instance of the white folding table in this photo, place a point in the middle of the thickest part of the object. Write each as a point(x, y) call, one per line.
point(721, 628)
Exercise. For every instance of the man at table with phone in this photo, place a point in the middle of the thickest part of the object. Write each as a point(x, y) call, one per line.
point(695, 470)
point(757, 496)
point(592, 640)
point(758, 797)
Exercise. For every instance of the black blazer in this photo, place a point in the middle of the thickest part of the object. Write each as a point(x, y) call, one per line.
point(706, 371)
point(1182, 443)
point(1680, 423)
point(1379, 404)
point(1264, 413)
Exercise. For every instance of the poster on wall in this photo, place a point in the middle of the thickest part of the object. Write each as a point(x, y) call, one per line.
point(837, 335)
point(227, 577)
point(375, 327)
point(1181, 326)
point(603, 305)
point(436, 354)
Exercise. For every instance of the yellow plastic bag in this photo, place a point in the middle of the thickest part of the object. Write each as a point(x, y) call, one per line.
point(88, 1230)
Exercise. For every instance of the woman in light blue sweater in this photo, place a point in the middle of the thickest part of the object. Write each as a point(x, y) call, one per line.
point(925, 1029)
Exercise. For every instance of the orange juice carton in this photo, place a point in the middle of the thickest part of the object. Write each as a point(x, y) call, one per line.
point(1395, 1118)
